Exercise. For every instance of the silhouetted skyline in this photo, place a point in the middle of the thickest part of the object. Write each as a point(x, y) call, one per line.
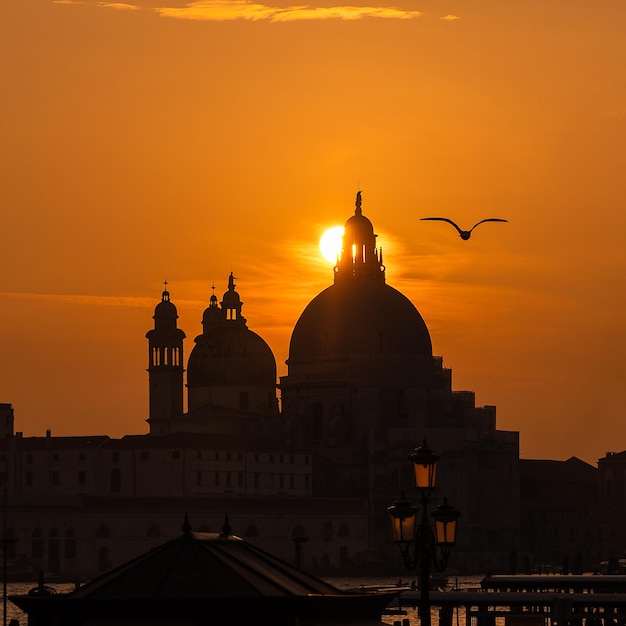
point(140, 147)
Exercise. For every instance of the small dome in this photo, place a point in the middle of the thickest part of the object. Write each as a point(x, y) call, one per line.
point(230, 356)
point(228, 352)
point(165, 313)
point(358, 228)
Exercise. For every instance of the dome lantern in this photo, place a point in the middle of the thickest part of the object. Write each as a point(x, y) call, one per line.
point(359, 257)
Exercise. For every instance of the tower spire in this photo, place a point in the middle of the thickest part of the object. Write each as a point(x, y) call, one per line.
point(165, 365)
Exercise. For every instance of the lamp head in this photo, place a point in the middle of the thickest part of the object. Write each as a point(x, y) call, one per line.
point(403, 516)
point(425, 467)
point(445, 524)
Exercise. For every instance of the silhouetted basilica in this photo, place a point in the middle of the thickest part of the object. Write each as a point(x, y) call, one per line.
point(362, 389)
point(312, 481)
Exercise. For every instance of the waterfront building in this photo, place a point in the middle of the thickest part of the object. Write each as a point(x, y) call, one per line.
point(362, 389)
point(560, 524)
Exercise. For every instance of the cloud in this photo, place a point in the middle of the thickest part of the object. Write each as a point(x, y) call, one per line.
point(450, 18)
point(230, 10)
point(225, 10)
point(124, 6)
point(118, 5)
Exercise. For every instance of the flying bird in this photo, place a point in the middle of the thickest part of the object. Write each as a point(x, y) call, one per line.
point(465, 234)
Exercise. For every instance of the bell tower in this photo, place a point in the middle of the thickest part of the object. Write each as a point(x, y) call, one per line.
point(165, 366)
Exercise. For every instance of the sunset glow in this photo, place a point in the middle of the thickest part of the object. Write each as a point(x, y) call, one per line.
point(186, 140)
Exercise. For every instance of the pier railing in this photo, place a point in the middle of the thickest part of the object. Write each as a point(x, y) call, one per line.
point(561, 601)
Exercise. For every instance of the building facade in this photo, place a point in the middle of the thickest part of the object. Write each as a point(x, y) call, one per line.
point(362, 390)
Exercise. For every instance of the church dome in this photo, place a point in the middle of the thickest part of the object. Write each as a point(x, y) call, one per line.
point(165, 313)
point(360, 314)
point(230, 356)
point(228, 352)
point(359, 317)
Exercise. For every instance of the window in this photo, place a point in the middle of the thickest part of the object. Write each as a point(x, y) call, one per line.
point(115, 456)
point(328, 530)
point(199, 454)
point(317, 420)
point(10, 543)
point(256, 480)
point(70, 544)
point(252, 531)
point(55, 457)
point(239, 480)
point(82, 478)
point(176, 455)
point(143, 455)
point(28, 479)
point(81, 456)
point(103, 532)
point(54, 479)
point(116, 480)
point(244, 400)
point(217, 479)
point(228, 456)
point(29, 458)
point(199, 479)
point(36, 545)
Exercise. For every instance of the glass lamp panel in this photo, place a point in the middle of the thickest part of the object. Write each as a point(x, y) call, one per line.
point(403, 516)
point(445, 524)
point(404, 529)
point(425, 466)
point(445, 532)
point(425, 475)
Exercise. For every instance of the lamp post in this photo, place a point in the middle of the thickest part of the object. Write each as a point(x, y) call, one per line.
point(425, 541)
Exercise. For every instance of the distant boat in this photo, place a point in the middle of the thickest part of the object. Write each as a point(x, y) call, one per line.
point(613, 566)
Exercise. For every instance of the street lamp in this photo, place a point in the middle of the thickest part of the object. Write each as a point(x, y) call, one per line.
point(406, 531)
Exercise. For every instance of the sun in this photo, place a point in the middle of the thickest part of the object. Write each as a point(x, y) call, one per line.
point(330, 243)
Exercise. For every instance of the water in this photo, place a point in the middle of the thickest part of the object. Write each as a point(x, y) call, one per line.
point(461, 582)
point(18, 589)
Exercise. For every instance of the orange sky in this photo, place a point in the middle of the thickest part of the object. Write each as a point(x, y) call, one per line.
point(158, 139)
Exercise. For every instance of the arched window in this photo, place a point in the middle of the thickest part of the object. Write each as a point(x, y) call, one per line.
point(252, 531)
point(36, 546)
point(116, 480)
point(102, 532)
point(70, 544)
point(298, 531)
point(54, 551)
point(317, 415)
point(9, 536)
